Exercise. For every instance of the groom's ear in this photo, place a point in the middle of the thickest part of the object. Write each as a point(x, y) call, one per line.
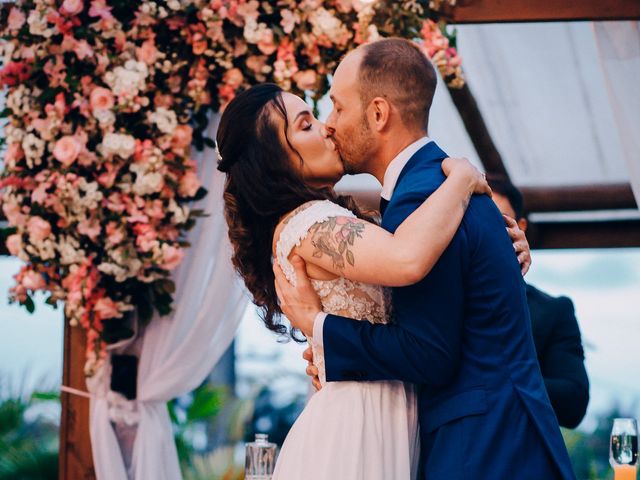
point(379, 113)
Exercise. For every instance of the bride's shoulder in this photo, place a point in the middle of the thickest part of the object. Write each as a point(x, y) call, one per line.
point(306, 215)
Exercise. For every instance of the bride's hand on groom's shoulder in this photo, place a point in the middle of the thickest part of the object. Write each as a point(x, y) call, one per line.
point(520, 243)
point(465, 169)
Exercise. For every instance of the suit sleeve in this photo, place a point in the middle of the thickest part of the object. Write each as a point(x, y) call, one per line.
point(422, 345)
point(563, 369)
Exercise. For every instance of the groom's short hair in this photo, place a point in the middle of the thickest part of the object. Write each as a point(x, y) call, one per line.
point(398, 70)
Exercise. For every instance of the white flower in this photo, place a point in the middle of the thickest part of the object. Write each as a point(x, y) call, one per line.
point(324, 23)
point(179, 213)
point(33, 147)
point(127, 81)
point(70, 252)
point(13, 134)
point(38, 24)
point(148, 183)
point(253, 31)
point(19, 100)
point(165, 119)
point(117, 144)
point(105, 118)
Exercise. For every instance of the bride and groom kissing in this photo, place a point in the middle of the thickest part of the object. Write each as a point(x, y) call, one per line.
point(418, 325)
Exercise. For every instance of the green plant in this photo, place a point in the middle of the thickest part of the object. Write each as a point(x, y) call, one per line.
point(28, 437)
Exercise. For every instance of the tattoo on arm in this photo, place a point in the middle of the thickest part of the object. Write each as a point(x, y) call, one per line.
point(334, 237)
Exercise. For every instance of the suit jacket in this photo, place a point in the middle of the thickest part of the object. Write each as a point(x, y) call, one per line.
point(556, 336)
point(463, 335)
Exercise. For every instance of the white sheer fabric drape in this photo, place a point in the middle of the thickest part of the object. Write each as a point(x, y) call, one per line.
point(619, 51)
point(178, 351)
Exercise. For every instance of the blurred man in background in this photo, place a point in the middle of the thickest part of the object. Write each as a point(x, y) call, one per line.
point(555, 329)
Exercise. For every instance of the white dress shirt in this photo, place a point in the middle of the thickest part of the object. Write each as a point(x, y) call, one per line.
point(389, 182)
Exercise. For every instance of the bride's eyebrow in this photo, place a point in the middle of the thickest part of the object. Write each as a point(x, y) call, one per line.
point(300, 114)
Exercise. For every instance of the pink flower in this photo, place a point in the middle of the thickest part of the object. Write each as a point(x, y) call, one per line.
point(13, 214)
point(32, 280)
point(267, 45)
point(72, 7)
point(38, 229)
point(189, 184)
point(90, 228)
point(171, 256)
point(13, 154)
point(306, 79)
point(146, 236)
point(148, 53)
point(182, 136)
point(106, 308)
point(233, 78)
point(14, 73)
point(83, 50)
point(115, 235)
point(14, 244)
point(101, 99)
point(16, 19)
point(67, 150)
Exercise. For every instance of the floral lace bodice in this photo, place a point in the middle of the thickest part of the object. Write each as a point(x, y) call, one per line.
point(339, 296)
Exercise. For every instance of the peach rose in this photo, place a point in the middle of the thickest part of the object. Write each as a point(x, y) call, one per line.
point(182, 136)
point(14, 244)
point(267, 44)
point(16, 19)
point(13, 214)
point(172, 256)
point(305, 80)
point(189, 184)
point(33, 280)
point(147, 53)
point(38, 229)
point(72, 7)
point(67, 150)
point(101, 99)
point(106, 308)
point(233, 77)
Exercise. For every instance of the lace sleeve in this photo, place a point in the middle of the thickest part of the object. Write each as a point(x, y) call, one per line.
point(297, 228)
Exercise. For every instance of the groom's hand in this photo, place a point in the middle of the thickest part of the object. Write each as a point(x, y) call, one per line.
point(312, 370)
point(301, 303)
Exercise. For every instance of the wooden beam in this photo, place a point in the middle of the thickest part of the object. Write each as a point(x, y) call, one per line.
point(75, 460)
point(477, 130)
point(604, 234)
point(579, 198)
point(490, 11)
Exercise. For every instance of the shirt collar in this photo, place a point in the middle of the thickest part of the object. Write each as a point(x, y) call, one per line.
point(397, 165)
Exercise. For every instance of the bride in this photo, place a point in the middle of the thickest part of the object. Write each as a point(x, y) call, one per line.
point(281, 167)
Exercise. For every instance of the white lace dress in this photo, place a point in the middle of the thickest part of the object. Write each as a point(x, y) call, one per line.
point(348, 430)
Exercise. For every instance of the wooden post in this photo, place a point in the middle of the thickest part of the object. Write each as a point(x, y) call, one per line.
point(75, 461)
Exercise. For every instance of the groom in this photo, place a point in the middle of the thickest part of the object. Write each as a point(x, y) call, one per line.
point(462, 333)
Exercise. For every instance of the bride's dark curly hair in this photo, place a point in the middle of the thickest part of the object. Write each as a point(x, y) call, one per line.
point(261, 187)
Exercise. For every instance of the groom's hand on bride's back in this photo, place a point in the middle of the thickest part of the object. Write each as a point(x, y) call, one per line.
point(312, 370)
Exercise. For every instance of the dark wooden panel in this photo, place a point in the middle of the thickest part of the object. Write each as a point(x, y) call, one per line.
point(488, 11)
point(76, 462)
point(477, 130)
point(579, 198)
point(609, 234)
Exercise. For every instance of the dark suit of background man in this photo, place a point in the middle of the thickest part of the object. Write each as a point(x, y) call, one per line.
point(556, 334)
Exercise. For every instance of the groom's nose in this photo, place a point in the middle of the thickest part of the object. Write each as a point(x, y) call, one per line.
point(327, 131)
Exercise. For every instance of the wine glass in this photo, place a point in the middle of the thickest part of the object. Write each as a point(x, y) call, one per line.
point(623, 451)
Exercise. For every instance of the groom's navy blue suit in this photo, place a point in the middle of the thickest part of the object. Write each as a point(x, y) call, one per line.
point(463, 335)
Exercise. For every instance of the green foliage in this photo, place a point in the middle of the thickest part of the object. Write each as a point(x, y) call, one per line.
point(28, 441)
